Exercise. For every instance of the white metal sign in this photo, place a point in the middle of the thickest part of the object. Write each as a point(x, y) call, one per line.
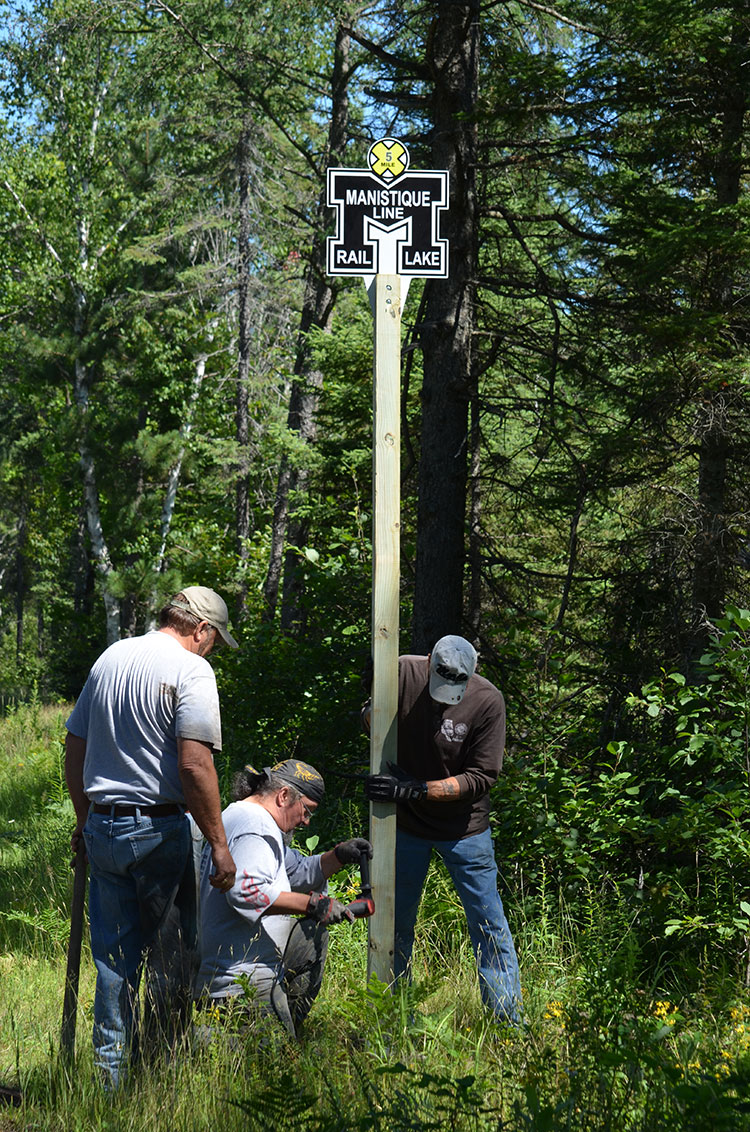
point(387, 217)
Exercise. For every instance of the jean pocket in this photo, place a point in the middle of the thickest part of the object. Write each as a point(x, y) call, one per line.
point(168, 841)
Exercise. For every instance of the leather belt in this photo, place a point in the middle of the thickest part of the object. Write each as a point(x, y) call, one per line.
point(116, 811)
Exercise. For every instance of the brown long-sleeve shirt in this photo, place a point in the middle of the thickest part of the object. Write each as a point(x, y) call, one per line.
point(464, 740)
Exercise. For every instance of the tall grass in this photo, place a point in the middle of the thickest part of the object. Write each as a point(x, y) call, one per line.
point(604, 1048)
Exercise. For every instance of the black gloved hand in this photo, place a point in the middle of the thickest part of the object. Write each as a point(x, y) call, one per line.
point(351, 852)
point(398, 786)
point(327, 910)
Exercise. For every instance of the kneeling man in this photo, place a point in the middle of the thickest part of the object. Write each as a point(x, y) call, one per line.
point(250, 933)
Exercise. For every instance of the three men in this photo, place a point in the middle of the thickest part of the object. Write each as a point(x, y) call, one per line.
point(451, 737)
point(139, 753)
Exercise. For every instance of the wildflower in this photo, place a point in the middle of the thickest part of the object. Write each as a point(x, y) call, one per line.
point(555, 1010)
point(665, 1012)
point(724, 1069)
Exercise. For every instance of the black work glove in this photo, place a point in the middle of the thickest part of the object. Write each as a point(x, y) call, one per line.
point(398, 786)
point(351, 852)
point(327, 910)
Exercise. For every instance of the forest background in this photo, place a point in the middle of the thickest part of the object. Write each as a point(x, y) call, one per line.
point(186, 399)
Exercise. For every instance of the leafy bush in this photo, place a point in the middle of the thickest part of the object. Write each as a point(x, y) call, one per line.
point(659, 820)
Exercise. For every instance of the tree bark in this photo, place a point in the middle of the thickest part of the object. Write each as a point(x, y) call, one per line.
point(20, 579)
point(173, 479)
point(474, 611)
point(100, 550)
point(242, 496)
point(446, 333)
point(714, 418)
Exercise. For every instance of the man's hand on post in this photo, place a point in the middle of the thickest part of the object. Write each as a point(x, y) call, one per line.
point(394, 787)
point(351, 852)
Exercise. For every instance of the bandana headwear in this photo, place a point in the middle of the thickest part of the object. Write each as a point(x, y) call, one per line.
point(301, 776)
point(254, 777)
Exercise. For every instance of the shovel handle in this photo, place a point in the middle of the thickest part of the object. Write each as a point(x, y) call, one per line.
point(70, 999)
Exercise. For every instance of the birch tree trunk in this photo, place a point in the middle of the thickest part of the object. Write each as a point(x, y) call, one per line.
point(99, 548)
point(173, 480)
point(82, 377)
point(242, 491)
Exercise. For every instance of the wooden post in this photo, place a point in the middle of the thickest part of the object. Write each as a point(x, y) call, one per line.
point(387, 253)
point(385, 298)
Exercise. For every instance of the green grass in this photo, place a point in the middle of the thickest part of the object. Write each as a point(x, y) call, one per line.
point(606, 1047)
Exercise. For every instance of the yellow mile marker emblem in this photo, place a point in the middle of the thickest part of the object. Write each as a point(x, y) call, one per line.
point(388, 158)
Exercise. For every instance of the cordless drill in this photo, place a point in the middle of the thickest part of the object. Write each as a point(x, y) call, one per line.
point(363, 905)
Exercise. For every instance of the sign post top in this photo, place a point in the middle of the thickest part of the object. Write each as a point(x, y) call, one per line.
point(387, 217)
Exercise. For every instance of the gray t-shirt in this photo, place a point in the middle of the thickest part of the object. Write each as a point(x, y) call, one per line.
point(141, 695)
point(236, 937)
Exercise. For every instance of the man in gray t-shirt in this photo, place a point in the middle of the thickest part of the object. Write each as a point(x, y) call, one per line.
point(139, 754)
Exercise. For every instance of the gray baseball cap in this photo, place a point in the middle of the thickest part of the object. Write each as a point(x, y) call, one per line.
point(453, 662)
point(206, 605)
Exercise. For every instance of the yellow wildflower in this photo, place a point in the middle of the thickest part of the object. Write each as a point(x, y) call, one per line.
point(665, 1012)
point(555, 1010)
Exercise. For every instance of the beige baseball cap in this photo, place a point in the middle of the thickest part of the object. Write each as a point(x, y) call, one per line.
point(206, 605)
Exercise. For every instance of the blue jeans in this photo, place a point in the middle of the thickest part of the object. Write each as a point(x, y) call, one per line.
point(472, 868)
point(142, 909)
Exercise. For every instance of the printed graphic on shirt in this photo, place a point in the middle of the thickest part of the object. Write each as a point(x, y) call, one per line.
point(251, 892)
point(454, 732)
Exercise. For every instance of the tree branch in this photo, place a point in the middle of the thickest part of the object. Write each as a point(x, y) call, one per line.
point(556, 217)
point(408, 66)
point(49, 248)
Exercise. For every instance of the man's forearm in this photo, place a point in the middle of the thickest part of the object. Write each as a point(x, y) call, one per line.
point(75, 756)
point(201, 789)
point(289, 904)
point(200, 786)
point(329, 863)
point(445, 790)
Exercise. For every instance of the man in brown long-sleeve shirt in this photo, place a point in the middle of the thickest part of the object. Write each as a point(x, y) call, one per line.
point(451, 738)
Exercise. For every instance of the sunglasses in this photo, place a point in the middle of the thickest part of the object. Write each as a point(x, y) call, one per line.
point(449, 675)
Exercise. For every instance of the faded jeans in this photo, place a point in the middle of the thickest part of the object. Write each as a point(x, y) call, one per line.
point(142, 909)
point(473, 870)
